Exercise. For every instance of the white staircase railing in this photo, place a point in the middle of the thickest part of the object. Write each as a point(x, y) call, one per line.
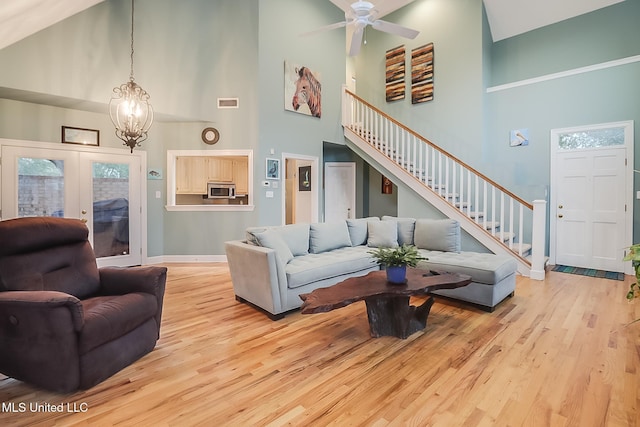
point(500, 220)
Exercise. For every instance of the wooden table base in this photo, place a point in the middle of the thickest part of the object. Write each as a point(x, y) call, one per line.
point(393, 316)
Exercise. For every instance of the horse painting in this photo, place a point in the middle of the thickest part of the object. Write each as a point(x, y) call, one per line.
point(308, 91)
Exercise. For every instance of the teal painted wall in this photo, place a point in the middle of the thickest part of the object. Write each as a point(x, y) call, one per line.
point(280, 27)
point(602, 96)
point(474, 125)
point(187, 54)
point(600, 36)
point(454, 118)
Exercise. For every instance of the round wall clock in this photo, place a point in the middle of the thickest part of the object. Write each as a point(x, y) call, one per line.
point(210, 135)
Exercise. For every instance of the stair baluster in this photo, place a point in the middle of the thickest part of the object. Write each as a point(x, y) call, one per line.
point(432, 172)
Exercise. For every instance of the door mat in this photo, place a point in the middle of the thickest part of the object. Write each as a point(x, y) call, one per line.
point(613, 275)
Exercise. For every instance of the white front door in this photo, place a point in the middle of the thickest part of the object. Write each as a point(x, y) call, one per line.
point(339, 191)
point(591, 197)
point(101, 189)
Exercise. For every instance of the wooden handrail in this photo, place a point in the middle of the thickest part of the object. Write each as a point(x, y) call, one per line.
point(435, 147)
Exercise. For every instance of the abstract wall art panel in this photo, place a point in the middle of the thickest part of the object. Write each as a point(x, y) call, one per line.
point(422, 74)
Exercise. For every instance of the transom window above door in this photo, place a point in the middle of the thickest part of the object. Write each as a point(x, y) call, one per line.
point(592, 138)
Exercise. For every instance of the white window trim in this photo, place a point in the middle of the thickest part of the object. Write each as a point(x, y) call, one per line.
point(171, 181)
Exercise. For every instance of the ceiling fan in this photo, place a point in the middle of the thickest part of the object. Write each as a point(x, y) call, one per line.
point(360, 14)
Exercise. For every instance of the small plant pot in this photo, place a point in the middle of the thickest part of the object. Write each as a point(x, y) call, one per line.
point(397, 274)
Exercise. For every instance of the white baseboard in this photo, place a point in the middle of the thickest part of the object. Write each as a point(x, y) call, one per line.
point(186, 258)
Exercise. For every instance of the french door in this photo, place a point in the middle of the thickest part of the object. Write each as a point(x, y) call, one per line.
point(102, 189)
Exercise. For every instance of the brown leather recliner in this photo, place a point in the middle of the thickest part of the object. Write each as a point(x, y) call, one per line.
point(64, 323)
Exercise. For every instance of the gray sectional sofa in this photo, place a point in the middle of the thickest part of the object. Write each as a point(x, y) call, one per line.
point(274, 265)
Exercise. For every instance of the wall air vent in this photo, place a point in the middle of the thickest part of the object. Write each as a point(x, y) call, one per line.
point(228, 103)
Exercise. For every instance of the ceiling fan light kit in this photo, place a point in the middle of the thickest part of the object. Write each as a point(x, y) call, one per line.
point(360, 14)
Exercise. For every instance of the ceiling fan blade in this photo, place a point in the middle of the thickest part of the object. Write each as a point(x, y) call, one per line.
point(326, 28)
point(399, 30)
point(345, 5)
point(356, 41)
point(388, 6)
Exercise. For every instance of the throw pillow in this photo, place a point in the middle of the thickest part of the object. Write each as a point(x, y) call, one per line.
point(358, 229)
point(382, 234)
point(325, 236)
point(296, 236)
point(406, 228)
point(250, 234)
point(270, 239)
point(438, 235)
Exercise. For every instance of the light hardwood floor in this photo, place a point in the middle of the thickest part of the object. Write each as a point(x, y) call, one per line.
point(558, 353)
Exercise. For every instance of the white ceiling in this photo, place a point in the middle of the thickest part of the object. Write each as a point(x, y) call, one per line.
point(21, 18)
point(507, 18)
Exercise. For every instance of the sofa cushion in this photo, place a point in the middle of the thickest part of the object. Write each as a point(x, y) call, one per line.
point(296, 236)
point(325, 236)
point(311, 268)
point(406, 227)
point(482, 267)
point(271, 239)
point(358, 229)
point(437, 235)
point(382, 234)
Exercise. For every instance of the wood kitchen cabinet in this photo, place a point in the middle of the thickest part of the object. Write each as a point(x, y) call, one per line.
point(219, 169)
point(191, 175)
point(194, 172)
point(241, 176)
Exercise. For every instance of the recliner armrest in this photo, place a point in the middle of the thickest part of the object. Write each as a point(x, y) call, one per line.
point(37, 308)
point(124, 280)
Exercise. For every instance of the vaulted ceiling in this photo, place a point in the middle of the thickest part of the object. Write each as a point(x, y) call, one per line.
point(21, 18)
point(507, 18)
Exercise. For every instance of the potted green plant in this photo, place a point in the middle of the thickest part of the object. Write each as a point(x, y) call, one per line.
point(395, 261)
point(634, 289)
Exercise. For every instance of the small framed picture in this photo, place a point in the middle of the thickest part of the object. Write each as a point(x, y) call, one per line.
point(80, 136)
point(304, 178)
point(155, 173)
point(273, 168)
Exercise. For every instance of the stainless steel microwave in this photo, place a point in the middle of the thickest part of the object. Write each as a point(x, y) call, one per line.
point(217, 190)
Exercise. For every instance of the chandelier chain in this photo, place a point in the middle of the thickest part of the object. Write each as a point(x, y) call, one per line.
point(129, 108)
point(131, 75)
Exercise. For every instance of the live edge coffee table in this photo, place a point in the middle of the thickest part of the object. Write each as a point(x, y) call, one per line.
point(388, 306)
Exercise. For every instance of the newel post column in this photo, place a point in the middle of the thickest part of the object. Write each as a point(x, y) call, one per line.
point(538, 239)
point(346, 107)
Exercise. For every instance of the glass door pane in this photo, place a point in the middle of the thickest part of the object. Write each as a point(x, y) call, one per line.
point(110, 201)
point(39, 182)
point(40, 187)
point(110, 209)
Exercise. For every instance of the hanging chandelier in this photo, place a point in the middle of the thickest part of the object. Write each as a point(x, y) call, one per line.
point(129, 108)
